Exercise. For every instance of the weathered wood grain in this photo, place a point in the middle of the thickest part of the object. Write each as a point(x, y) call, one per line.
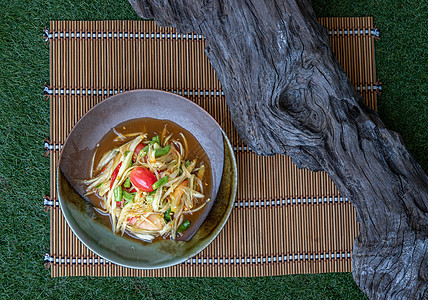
point(288, 94)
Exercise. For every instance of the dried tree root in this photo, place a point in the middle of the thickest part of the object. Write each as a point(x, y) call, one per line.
point(288, 94)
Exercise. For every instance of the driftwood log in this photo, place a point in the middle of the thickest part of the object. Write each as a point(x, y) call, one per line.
point(288, 94)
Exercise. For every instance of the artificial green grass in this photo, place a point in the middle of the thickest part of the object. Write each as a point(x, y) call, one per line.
point(24, 172)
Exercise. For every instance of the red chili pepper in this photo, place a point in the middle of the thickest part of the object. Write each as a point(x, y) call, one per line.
point(114, 174)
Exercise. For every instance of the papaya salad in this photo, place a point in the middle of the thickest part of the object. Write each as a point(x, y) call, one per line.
point(147, 185)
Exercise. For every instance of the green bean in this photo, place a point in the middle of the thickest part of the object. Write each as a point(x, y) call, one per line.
point(167, 215)
point(160, 182)
point(129, 197)
point(117, 193)
point(162, 151)
point(183, 226)
point(127, 182)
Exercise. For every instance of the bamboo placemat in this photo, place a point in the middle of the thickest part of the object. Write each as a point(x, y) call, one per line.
point(285, 220)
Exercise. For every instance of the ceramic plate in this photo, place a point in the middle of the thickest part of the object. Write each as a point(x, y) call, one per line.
point(75, 159)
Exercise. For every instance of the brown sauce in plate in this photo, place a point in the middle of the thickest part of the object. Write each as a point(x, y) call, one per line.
point(152, 127)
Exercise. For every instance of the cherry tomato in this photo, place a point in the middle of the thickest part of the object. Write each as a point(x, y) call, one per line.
point(143, 179)
point(137, 150)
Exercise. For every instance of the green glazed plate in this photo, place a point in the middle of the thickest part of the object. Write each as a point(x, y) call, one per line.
point(86, 225)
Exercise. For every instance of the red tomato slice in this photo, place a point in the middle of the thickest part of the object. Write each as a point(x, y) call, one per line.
point(137, 150)
point(142, 179)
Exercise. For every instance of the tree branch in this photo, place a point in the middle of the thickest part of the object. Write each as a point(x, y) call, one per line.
point(288, 94)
